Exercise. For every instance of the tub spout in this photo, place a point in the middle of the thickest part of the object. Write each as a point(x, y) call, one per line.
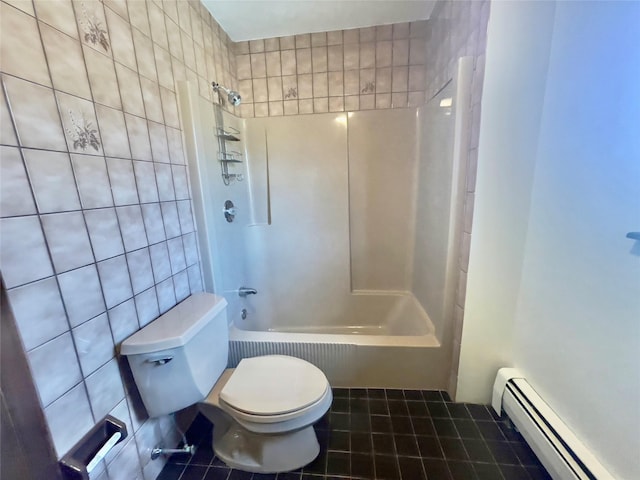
point(244, 291)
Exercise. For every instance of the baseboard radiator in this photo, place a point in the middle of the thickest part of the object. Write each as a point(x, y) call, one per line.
point(563, 455)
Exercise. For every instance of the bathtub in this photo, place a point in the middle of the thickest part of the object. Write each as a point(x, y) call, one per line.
point(386, 341)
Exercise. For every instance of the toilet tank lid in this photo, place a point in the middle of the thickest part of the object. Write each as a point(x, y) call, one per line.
point(176, 327)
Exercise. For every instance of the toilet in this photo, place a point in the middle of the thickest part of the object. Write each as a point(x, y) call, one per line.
point(263, 410)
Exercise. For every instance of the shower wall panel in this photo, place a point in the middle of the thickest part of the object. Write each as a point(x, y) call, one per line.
point(434, 203)
point(300, 262)
point(223, 263)
point(382, 168)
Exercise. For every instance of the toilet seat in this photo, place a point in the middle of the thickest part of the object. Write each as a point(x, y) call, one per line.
point(250, 417)
point(273, 385)
point(292, 419)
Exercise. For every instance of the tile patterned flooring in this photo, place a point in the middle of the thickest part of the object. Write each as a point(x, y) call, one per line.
point(389, 435)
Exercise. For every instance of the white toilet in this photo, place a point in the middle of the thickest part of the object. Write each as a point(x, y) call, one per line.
point(262, 411)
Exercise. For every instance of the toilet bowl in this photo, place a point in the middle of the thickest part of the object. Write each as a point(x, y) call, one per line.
point(262, 411)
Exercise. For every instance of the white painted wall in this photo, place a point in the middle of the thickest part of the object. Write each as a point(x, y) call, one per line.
point(519, 39)
point(570, 303)
point(577, 332)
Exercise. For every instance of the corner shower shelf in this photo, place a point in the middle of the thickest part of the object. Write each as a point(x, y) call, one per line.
point(230, 157)
point(227, 157)
point(228, 136)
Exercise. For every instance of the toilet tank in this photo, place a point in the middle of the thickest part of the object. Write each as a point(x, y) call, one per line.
point(177, 358)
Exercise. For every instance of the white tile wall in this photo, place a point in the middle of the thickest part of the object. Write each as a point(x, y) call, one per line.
point(104, 233)
point(15, 196)
point(123, 181)
point(41, 320)
point(23, 252)
point(59, 15)
point(181, 285)
point(170, 219)
point(68, 240)
point(105, 389)
point(146, 180)
point(126, 465)
point(132, 227)
point(140, 271)
point(147, 303)
point(67, 417)
point(152, 216)
point(52, 179)
point(93, 181)
point(160, 261)
point(123, 320)
point(165, 182)
point(91, 143)
point(166, 295)
point(116, 284)
point(94, 344)
point(82, 294)
point(55, 368)
point(332, 71)
point(19, 48)
point(113, 131)
point(34, 114)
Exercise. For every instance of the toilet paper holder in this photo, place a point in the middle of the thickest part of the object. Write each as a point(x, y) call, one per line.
point(78, 463)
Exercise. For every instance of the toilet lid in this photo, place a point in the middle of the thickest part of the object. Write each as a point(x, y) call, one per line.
point(273, 385)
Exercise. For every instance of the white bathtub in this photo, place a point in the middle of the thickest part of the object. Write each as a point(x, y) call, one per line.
point(386, 341)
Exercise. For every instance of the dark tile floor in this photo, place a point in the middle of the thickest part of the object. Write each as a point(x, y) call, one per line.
point(390, 435)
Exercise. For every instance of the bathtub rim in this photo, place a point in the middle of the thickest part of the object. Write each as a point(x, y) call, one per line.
point(428, 341)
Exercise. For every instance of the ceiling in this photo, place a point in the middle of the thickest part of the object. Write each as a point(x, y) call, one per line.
point(254, 19)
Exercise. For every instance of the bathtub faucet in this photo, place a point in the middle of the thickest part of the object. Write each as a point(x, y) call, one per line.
point(244, 291)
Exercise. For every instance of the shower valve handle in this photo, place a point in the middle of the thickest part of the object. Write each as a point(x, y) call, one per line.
point(244, 291)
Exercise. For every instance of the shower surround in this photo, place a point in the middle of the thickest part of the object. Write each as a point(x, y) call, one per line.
point(350, 270)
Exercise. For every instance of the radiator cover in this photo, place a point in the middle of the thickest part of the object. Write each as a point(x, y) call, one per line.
point(563, 455)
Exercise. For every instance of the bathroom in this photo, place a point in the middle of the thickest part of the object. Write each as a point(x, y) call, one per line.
point(100, 228)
